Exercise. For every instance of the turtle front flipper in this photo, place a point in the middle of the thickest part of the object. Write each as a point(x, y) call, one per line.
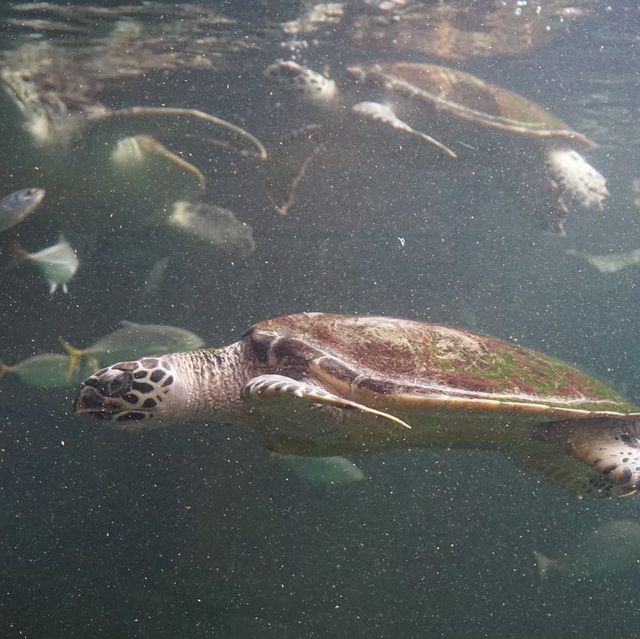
point(609, 446)
point(382, 115)
point(290, 162)
point(277, 394)
point(179, 123)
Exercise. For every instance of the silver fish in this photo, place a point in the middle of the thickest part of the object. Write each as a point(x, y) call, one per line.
point(135, 340)
point(604, 551)
point(155, 277)
point(58, 263)
point(49, 370)
point(321, 472)
point(16, 206)
point(214, 225)
point(611, 263)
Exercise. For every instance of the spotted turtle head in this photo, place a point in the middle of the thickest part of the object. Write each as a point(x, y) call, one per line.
point(128, 394)
point(309, 85)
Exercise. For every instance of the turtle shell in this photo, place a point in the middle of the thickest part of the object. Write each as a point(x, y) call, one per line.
point(409, 365)
point(460, 30)
point(464, 97)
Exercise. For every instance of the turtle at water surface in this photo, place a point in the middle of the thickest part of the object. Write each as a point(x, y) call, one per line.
point(477, 122)
point(319, 385)
point(448, 29)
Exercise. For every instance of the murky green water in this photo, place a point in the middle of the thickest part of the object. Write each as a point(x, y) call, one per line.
point(197, 531)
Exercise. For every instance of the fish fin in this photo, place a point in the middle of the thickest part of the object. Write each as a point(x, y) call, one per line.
point(16, 254)
point(75, 355)
point(129, 324)
point(543, 564)
point(53, 287)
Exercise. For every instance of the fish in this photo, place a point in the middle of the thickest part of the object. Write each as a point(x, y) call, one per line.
point(59, 263)
point(49, 370)
point(134, 340)
point(611, 263)
point(155, 277)
point(321, 471)
point(16, 206)
point(607, 550)
point(214, 225)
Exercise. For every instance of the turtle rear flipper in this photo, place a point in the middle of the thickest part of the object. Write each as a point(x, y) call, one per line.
point(609, 447)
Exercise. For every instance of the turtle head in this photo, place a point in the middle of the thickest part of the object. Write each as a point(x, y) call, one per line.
point(136, 395)
point(312, 87)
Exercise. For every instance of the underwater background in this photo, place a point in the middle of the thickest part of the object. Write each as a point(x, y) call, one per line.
point(197, 531)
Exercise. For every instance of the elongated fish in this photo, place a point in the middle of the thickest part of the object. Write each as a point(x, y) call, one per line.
point(213, 225)
point(135, 340)
point(49, 370)
point(604, 551)
point(58, 264)
point(321, 472)
point(16, 206)
point(611, 263)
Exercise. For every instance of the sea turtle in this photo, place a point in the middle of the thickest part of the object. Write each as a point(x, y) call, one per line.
point(448, 29)
point(318, 384)
point(58, 90)
point(477, 121)
point(101, 160)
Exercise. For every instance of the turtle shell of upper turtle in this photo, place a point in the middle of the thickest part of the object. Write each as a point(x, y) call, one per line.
point(404, 358)
point(462, 96)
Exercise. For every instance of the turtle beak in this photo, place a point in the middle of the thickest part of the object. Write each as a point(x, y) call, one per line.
point(90, 402)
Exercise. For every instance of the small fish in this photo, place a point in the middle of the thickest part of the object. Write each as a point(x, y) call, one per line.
point(49, 370)
point(134, 340)
point(321, 471)
point(402, 241)
point(58, 263)
point(214, 225)
point(611, 263)
point(604, 551)
point(155, 277)
point(16, 206)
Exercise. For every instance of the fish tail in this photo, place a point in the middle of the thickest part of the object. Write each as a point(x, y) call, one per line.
point(4, 369)
point(16, 254)
point(543, 563)
point(75, 355)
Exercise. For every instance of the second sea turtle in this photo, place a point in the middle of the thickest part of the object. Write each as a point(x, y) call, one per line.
point(318, 384)
point(478, 122)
